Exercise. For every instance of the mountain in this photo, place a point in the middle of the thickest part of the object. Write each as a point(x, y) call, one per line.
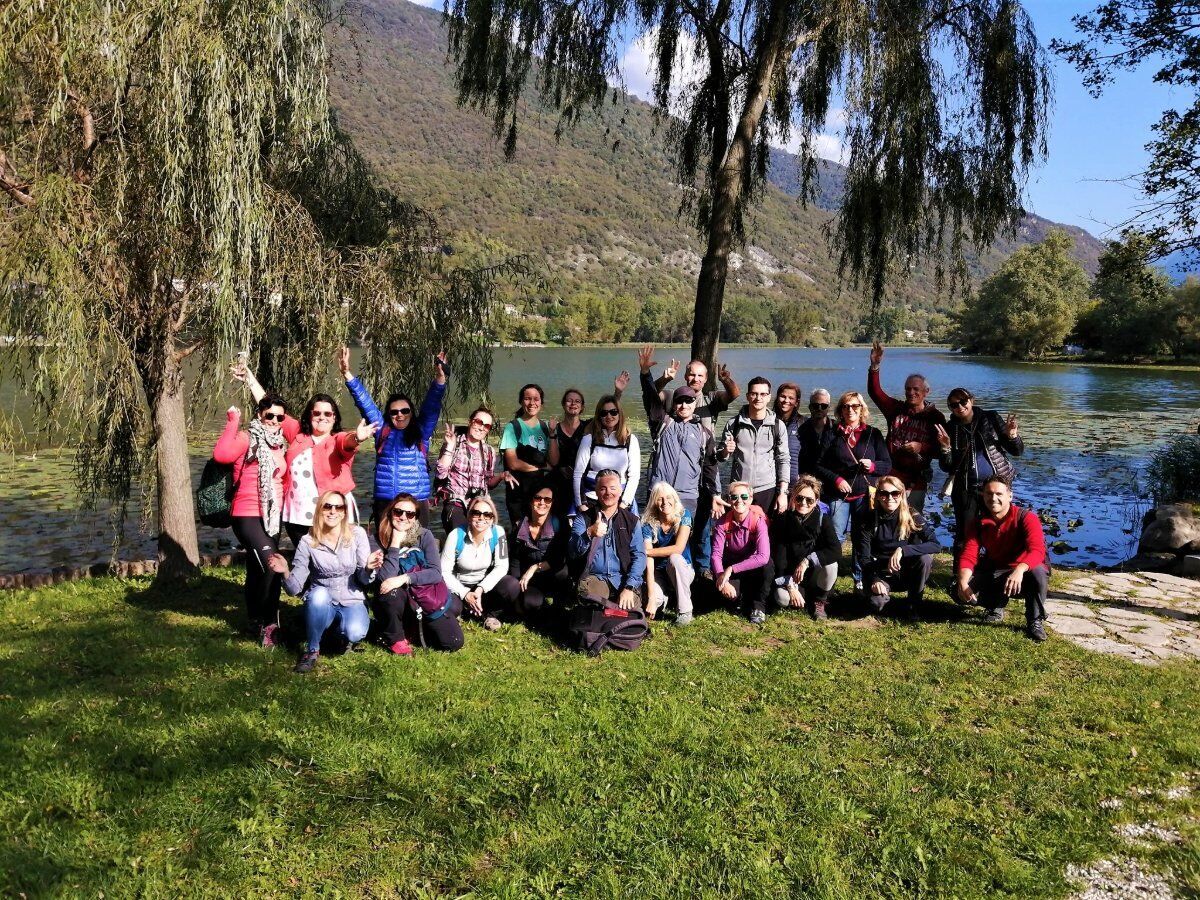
point(595, 210)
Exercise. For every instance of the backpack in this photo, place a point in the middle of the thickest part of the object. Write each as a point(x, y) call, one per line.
point(528, 453)
point(462, 540)
point(214, 496)
point(595, 628)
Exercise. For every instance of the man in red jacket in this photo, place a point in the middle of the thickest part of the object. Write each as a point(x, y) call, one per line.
point(1013, 560)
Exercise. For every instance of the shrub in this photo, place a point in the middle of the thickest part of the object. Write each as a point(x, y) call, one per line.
point(1174, 470)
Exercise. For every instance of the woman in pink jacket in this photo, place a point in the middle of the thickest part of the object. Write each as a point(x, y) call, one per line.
point(742, 553)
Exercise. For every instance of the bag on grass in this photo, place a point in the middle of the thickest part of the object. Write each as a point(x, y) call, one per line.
point(595, 628)
point(214, 497)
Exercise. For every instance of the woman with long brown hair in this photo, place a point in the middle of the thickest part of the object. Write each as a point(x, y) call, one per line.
point(895, 547)
point(608, 444)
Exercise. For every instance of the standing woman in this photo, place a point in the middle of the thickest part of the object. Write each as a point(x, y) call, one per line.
point(334, 564)
point(805, 549)
point(666, 529)
point(526, 448)
point(564, 448)
point(608, 444)
point(787, 411)
point(402, 438)
point(853, 459)
point(259, 459)
point(895, 547)
point(474, 559)
point(467, 463)
point(538, 558)
point(975, 446)
point(412, 569)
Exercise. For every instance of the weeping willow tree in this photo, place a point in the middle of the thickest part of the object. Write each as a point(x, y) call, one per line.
point(173, 188)
point(944, 105)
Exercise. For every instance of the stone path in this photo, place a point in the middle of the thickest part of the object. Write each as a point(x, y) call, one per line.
point(1145, 617)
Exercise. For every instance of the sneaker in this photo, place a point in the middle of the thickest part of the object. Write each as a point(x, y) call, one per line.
point(491, 623)
point(758, 617)
point(307, 662)
point(356, 647)
point(1036, 631)
point(706, 574)
point(266, 636)
point(402, 648)
point(683, 619)
point(994, 616)
point(818, 611)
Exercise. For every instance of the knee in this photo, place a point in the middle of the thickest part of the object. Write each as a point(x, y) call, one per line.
point(452, 643)
point(319, 598)
point(782, 597)
point(356, 629)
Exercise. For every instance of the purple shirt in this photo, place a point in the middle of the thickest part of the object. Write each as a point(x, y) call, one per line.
point(741, 546)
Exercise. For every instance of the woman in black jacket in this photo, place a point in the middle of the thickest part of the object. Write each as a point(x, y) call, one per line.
point(805, 550)
point(854, 457)
point(894, 546)
point(975, 445)
point(537, 557)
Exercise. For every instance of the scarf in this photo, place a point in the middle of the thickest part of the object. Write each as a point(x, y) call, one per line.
point(262, 443)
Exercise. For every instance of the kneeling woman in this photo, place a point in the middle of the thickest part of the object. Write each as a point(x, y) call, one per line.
point(334, 563)
point(411, 579)
point(895, 548)
point(742, 553)
point(666, 528)
point(805, 550)
point(474, 559)
point(537, 566)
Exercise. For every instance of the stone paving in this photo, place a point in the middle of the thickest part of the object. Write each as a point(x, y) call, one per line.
point(1144, 617)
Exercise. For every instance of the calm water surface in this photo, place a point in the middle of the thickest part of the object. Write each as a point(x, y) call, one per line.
point(1088, 434)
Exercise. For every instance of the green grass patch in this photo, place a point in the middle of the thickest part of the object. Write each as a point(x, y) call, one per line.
point(147, 749)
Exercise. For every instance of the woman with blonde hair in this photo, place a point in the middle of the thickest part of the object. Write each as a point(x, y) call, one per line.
point(894, 546)
point(666, 528)
point(805, 549)
point(333, 564)
point(474, 559)
point(742, 567)
point(608, 444)
point(854, 457)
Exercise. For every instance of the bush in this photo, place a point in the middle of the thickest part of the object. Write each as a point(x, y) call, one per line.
point(1174, 471)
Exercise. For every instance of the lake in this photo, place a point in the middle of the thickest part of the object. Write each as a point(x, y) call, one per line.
point(1088, 430)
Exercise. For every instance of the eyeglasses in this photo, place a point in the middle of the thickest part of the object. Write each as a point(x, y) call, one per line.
point(680, 401)
point(852, 406)
point(609, 413)
point(322, 414)
point(482, 514)
point(804, 501)
point(399, 513)
point(330, 507)
point(482, 424)
point(400, 411)
point(891, 495)
point(818, 406)
point(573, 401)
point(959, 404)
point(274, 417)
point(733, 498)
point(759, 394)
point(540, 499)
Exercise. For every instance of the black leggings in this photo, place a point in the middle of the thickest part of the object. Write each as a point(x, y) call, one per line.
point(395, 615)
point(533, 598)
point(262, 585)
point(754, 587)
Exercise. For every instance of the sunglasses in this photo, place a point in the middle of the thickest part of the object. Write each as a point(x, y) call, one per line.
point(852, 406)
point(804, 501)
point(321, 414)
point(959, 404)
point(482, 424)
point(818, 406)
point(274, 417)
point(482, 514)
point(540, 499)
point(680, 401)
point(404, 513)
point(330, 507)
point(400, 411)
point(733, 498)
point(891, 495)
point(609, 413)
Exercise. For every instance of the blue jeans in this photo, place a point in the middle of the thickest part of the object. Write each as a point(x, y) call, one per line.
point(847, 512)
point(320, 612)
point(702, 526)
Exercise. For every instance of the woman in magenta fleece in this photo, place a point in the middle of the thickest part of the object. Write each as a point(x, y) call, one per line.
point(742, 554)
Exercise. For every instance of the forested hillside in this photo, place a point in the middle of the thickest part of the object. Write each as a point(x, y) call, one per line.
point(596, 210)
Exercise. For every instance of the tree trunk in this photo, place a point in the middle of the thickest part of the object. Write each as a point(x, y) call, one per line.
point(727, 193)
point(178, 545)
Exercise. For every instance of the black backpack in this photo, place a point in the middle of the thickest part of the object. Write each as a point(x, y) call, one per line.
point(214, 497)
point(595, 628)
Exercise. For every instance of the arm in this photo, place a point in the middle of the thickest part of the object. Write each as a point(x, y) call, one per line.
point(1034, 554)
point(432, 573)
point(762, 549)
point(364, 576)
point(637, 563)
point(829, 548)
point(556, 552)
point(344, 446)
point(232, 444)
point(652, 401)
point(579, 543)
point(970, 551)
point(1013, 446)
point(391, 564)
point(921, 542)
point(554, 452)
point(723, 399)
point(581, 464)
point(726, 434)
point(449, 558)
point(366, 406)
point(499, 564)
point(718, 547)
point(633, 473)
point(889, 406)
point(508, 443)
point(783, 457)
point(882, 463)
point(431, 409)
point(445, 460)
point(297, 576)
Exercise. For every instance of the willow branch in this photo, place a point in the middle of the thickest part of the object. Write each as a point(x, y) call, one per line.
point(11, 186)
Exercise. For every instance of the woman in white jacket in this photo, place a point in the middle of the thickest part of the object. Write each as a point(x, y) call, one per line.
point(608, 444)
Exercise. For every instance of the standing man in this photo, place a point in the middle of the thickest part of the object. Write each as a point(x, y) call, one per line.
point(814, 432)
point(684, 450)
point(912, 438)
point(758, 442)
point(708, 407)
point(787, 410)
point(1013, 549)
point(606, 544)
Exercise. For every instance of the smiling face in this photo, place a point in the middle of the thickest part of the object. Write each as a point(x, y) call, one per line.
point(888, 494)
point(785, 402)
point(685, 408)
point(531, 402)
point(572, 404)
point(608, 492)
point(916, 389)
point(758, 396)
point(272, 418)
point(805, 501)
point(399, 413)
point(322, 418)
point(997, 498)
point(850, 412)
point(696, 376)
point(540, 503)
point(740, 500)
point(333, 510)
point(481, 516)
point(480, 426)
point(404, 516)
point(961, 407)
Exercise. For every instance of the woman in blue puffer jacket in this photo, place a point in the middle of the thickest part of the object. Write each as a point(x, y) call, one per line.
point(402, 441)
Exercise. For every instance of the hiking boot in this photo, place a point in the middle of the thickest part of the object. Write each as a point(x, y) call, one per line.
point(909, 615)
point(356, 647)
point(266, 636)
point(307, 662)
point(858, 589)
point(994, 616)
point(758, 617)
point(491, 623)
point(683, 619)
point(878, 602)
point(1036, 631)
point(818, 611)
point(706, 574)
point(402, 648)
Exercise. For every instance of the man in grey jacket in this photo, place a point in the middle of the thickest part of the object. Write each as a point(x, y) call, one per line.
point(684, 449)
point(757, 440)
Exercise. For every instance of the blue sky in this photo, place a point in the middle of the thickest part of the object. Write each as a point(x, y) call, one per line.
point(1094, 142)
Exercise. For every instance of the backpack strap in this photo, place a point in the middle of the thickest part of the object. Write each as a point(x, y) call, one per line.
point(462, 540)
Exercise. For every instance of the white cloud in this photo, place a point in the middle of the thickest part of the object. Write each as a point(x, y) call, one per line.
point(432, 4)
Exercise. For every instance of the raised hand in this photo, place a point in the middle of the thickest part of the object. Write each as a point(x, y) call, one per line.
point(730, 446)
point(451, 437)
point(672, 370)
point(723, 373)
point(621, 382)
point(876, 354)
point(552, 424)
point(646, 358)
point(441, 367)
point(511, 480)
point(942, 436)
point(239, 371)
point(364, 430)
point(343, 361)
point(1010, 425)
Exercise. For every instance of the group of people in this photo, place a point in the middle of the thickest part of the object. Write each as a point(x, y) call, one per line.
point(772, 539)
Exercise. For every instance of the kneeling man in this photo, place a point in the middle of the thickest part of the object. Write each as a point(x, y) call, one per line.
point(607, 540)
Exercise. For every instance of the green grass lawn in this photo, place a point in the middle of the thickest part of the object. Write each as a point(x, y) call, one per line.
point(147, 749)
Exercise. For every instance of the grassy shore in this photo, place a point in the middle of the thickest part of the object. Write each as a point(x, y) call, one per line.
point(147, 749)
